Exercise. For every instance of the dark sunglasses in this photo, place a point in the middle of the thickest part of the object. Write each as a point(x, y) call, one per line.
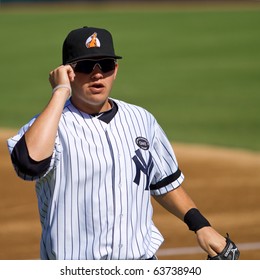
point(87, 66)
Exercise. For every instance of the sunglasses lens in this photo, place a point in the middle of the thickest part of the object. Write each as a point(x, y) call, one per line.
point(88, 66)
point(84, 67)
point(107, 65)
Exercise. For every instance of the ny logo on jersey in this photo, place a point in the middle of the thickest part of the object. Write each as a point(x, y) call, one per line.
point(142, 166)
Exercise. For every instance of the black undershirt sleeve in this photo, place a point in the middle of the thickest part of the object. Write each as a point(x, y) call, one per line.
point(166, 181)
point(22, 160)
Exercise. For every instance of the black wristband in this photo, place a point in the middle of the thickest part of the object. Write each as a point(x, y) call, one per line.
point(195, 220)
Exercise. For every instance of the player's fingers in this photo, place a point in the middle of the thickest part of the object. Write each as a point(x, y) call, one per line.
point(218, 247)
point(71, 73)
point(207, 248)
point(61, 75)
point(211, 253)
point(51, 79)
point(211, 241)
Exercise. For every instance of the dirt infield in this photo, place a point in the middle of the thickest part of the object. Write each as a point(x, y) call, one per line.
point(224, 183)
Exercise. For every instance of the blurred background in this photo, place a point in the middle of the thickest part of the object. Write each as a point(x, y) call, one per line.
point(194, 65)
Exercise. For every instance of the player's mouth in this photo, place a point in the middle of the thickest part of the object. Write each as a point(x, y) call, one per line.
point(96, 87)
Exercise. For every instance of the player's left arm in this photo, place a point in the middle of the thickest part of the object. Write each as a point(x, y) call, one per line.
point(177, 202)
point(180, 204)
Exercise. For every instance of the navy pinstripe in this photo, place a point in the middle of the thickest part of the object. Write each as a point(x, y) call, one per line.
point(89, 203)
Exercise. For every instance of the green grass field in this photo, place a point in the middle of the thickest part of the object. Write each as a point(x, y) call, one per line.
point(197, 70)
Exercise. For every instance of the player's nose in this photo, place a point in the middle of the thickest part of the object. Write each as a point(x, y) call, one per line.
point(97, 72)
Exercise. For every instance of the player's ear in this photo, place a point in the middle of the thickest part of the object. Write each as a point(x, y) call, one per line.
point(115, 71)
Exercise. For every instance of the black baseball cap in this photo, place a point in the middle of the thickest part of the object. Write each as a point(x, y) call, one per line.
point(88, 43)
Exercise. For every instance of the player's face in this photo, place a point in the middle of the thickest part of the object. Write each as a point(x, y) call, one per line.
point(92, 85)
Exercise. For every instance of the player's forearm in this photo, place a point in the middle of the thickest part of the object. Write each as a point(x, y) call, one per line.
point(40, 138)
point(177, 202)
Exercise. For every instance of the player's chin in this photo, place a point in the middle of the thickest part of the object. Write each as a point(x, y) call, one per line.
point(97, 99)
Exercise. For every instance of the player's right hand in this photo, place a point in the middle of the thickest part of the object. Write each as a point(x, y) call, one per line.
point(62, 75)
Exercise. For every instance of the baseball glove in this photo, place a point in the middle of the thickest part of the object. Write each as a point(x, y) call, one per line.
point(230, 252)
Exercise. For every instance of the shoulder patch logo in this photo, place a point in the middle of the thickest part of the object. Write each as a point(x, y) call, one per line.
point(142, 143)
point(93, 41)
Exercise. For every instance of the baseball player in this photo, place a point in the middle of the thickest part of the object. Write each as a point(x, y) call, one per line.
point(97, 161)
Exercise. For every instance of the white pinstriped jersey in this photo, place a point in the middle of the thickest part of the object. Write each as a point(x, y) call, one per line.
point(94, 200)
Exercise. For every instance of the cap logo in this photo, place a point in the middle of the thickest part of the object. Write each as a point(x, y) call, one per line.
point(93, 41)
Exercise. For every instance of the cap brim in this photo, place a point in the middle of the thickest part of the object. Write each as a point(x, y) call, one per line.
point(100, 56)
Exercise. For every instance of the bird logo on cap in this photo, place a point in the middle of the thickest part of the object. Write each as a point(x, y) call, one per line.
point(93, 41)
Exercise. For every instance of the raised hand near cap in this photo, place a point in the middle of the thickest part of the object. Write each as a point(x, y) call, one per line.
point(63, 74)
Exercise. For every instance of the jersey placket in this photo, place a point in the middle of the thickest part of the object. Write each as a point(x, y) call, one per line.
point(118, 246)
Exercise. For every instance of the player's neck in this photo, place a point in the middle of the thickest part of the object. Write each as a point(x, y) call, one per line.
point(92, 109)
